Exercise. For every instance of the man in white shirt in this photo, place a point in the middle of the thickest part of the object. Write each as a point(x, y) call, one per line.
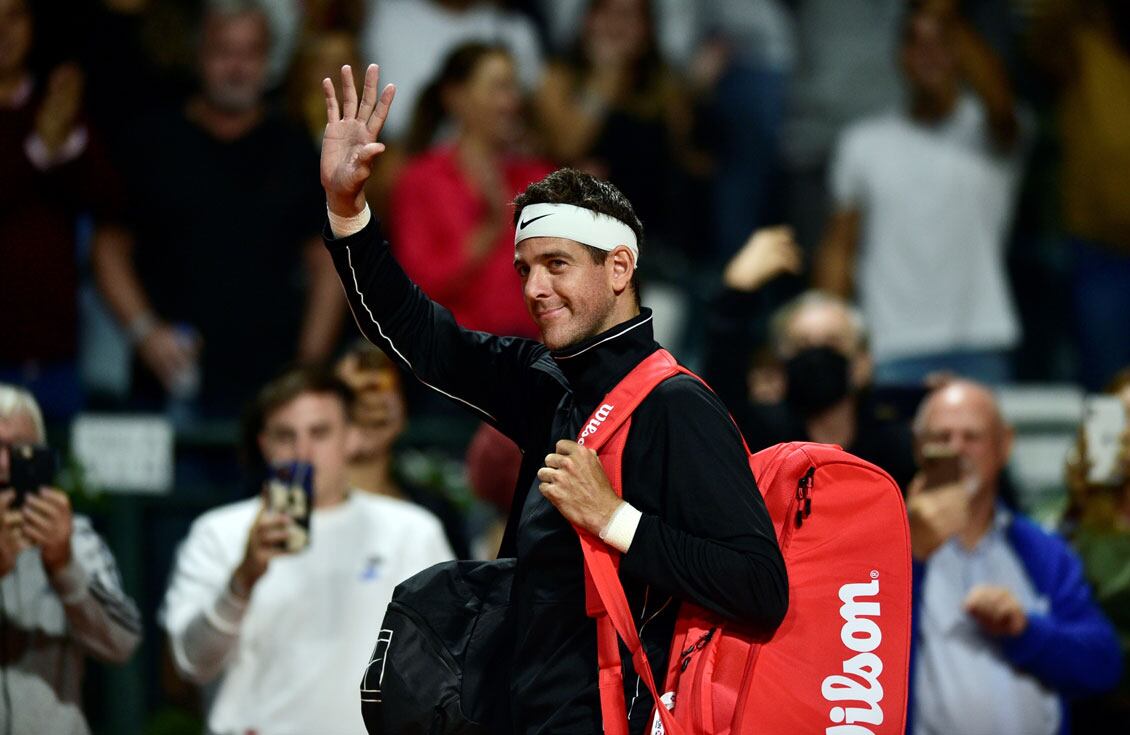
point(924, 198)
point(283, 637)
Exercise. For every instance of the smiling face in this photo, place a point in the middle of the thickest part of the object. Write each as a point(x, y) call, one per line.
point(569, 295)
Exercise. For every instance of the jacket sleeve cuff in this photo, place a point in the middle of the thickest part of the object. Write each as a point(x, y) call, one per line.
point(226, 613)
point(1023, 648)
point(71, 583)
point(346, 226)
point(621, 528)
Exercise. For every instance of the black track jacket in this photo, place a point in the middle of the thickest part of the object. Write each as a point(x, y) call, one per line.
point(705, 534)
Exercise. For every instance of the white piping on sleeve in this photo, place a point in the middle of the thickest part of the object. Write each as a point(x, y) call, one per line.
point(373, 319)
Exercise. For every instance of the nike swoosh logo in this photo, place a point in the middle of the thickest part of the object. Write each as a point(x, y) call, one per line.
point(530, 221)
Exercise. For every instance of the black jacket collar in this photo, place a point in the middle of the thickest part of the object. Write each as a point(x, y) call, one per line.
point(594, 366)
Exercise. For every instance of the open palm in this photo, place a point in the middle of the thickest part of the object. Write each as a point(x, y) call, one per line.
point(350, 141)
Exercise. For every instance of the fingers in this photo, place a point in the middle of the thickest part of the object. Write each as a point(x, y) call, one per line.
point(369, 92)
point(57, 500)
point(376, 121)
point(6, 498)
point(332, 112)
point(566, 447)
point(348, 93)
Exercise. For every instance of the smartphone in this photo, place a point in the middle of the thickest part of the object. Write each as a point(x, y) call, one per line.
point(1104, 425)
point(941, 466)
point(290, 491)
point(30, 467)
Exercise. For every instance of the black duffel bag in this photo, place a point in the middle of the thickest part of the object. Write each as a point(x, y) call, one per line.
point(441, 665)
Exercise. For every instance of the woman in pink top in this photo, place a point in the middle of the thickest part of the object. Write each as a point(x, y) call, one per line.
point(452, 222)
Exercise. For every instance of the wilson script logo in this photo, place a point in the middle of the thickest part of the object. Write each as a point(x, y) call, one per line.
point(858, 685)
point(594, 423)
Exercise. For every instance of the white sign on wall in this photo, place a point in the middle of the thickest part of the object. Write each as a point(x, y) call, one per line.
point(125, 453)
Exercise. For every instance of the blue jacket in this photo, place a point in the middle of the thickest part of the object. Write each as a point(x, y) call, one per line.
point(1073, 648)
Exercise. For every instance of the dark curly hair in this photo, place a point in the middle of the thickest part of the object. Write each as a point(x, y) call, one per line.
point(570, 186)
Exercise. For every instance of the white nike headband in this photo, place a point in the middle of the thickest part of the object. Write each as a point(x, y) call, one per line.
point(575, 223)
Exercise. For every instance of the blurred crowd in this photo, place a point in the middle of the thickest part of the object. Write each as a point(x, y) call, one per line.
point(850, 205)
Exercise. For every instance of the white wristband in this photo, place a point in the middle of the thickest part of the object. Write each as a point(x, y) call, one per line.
point(621, 528)
point(346, 226)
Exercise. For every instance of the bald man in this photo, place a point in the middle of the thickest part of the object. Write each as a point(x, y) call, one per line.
point(1006, 629)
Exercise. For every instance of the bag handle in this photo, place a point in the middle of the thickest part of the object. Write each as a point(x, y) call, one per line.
point(611, 610)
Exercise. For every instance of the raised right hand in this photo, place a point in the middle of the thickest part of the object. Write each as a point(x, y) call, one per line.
point(767, 253)
point(266, 540)
point(350, 141)
point(935, 515)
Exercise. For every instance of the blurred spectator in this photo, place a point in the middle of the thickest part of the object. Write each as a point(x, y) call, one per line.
point(845, 69)
point(1085, 44)
point(493, 464)
point(746, 52)
point(824, 366)
point(60, 595)
point(322, 54)
point(225, 223)
point(462, 253)
point(1005, 628)
point(413, 37)
point(1098, 518)
point(285, 634)
point(613, 108)
point(379, 419)
point(924, 198)
point(54, 173)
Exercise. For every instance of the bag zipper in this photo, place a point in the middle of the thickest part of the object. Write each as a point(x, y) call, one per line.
point(696, 646)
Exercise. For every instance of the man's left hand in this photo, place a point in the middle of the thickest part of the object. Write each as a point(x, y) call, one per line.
point(997, 610)
point(574, 481)
point(47, 524)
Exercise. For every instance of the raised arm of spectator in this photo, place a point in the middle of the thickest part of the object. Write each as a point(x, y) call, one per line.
point(833, 269)
point(1051, 40)
point(206, 600)
point(163, 351)
point(767, 254)
point(574, 118)
point(325, 305)
point(81, 571)
point(986, 74)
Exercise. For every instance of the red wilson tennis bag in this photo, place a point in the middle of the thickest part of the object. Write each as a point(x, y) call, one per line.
point(839, 662)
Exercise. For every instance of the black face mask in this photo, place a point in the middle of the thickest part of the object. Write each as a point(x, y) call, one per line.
point(817, 379)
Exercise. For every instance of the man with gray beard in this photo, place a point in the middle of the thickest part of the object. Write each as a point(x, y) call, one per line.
point(225, 221)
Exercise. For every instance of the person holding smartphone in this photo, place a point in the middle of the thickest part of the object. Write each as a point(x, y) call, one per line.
point(1006, 628)
point(61, 597)
point(274, 601)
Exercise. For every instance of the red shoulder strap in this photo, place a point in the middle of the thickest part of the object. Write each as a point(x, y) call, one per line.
point(611, 610)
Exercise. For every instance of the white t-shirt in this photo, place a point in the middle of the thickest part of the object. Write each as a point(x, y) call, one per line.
point(411, 38)
point(936, 203)
point(312, 619)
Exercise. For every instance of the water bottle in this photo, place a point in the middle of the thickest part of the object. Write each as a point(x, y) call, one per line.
point(185, 387)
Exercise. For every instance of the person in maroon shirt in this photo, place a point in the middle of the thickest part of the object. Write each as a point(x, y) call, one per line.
point(451, 216)
point(53, 173)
